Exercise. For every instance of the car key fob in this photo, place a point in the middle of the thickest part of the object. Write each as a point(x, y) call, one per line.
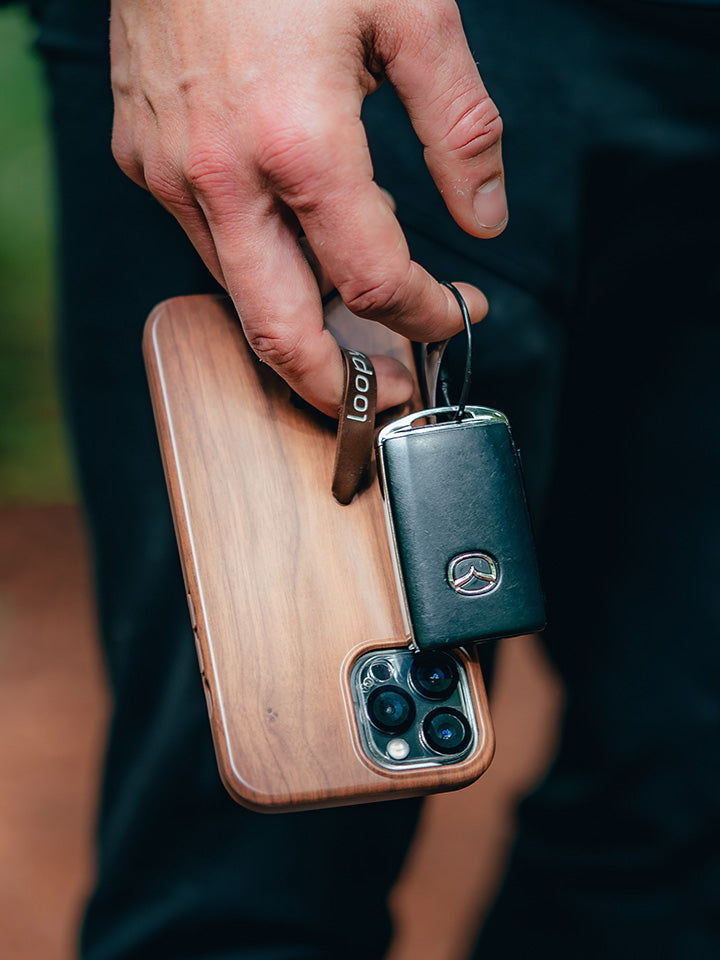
point(459, 527)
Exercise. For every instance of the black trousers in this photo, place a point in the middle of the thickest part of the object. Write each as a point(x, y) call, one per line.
point(602, 346)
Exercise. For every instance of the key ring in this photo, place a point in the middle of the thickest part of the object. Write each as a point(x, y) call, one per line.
point(431, 360)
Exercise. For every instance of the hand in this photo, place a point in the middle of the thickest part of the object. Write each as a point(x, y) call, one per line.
point(243, 118)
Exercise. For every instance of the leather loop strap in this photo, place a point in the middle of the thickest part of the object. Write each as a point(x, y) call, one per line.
point(356, 426)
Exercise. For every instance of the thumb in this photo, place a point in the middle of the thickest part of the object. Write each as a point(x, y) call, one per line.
point(430, 65)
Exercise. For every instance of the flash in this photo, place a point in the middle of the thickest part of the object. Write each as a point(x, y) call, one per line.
point(398, 749)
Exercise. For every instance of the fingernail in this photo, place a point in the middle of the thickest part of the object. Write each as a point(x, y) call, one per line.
point(491, 205)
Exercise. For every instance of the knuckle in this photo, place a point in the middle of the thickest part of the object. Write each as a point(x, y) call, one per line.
point(280, 349)
point(208, 170)
point(294, 159)
point(478, 127)
point(429, 34)
point(125, 156)
point(441, 17)
point(379, 298)
point(164, 184)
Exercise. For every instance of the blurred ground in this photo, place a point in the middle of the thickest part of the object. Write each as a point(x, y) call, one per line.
point(53, 712)
point(52, 716)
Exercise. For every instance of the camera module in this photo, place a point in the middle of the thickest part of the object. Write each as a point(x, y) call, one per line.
point(390, 709)
point(413, 709)
point(434, 675)
point(446, 730)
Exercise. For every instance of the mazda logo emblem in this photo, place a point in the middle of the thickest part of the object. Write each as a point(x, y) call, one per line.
point(472, 574)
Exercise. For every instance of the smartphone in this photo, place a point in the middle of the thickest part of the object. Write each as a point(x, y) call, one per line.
point(313, 695)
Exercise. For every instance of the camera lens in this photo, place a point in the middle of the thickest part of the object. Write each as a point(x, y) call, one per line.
point(434, 675)
point(446, 730)
point(380, 670)
point(390, 709)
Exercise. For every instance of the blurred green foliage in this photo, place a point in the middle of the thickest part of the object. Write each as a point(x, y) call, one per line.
point(33, 458)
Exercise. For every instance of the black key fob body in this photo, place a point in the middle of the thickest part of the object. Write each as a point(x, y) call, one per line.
point(459, 527)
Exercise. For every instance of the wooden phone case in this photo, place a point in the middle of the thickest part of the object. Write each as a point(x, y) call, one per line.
point(286, 587)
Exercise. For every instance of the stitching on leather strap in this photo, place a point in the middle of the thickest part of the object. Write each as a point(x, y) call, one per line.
point(356, 426)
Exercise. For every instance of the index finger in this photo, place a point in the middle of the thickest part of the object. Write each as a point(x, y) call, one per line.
point(278, 301)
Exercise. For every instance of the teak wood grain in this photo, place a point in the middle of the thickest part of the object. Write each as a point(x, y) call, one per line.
point(287, 586)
